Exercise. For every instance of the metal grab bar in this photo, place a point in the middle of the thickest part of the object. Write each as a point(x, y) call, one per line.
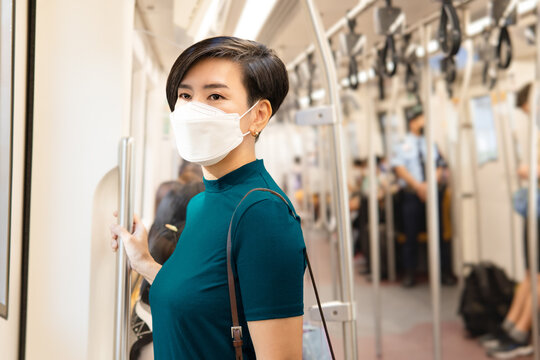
point(126, 162)
point(432, 202)
point(340, 182)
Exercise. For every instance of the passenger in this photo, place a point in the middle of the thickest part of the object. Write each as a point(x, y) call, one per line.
point(513, 338)
point(163, 189)
point(189, 172)
point(358, 204)
point(162, 239)
point(408, 163)
point(222, 92)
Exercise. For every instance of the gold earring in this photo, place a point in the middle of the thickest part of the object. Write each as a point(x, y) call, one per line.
point(255, 134)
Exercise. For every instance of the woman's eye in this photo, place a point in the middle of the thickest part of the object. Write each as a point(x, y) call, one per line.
point(216, 97)
point(184, 96)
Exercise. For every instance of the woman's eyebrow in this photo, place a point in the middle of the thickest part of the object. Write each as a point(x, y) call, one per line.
point(215, 86)
point(207, 86)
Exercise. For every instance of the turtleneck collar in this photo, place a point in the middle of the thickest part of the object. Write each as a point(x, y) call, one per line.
point(234, 177)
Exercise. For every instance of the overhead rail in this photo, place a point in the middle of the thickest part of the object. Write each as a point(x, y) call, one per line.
point(342, 23)
point(361, 8)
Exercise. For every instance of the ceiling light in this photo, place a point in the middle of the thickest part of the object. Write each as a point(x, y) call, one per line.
point(253, 17)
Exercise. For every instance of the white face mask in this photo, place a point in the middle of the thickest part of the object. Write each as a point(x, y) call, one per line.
point(205, 135)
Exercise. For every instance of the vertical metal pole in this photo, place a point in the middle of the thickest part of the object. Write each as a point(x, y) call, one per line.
point(374, 223)
point(126, 162)
point(476, 183)
point(323, 178)
point(389, 205)
point(432, 201)
point(307, 199)
point(340, 182)
point(456, 173)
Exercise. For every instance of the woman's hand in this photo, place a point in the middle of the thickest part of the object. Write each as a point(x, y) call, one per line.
point(136, 246)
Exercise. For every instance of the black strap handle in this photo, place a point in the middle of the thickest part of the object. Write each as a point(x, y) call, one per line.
point(389, 51)
point(503, 62)
point(353, 73)
point(236, 329)
point(411, 82)
point(449, 29)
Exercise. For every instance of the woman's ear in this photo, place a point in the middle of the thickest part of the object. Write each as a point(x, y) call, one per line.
point(263, 112)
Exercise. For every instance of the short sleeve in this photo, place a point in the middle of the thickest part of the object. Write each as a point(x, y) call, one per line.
point(397, 156)
point(269, 248)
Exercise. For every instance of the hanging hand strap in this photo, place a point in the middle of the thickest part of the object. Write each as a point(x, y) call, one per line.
point(236, 329)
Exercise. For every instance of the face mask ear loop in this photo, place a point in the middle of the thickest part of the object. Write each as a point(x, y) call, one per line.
point(248, 110)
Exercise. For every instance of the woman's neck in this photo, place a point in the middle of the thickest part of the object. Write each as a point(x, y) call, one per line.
point(231, 162)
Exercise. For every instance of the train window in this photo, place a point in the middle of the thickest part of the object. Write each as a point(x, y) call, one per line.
point(484, 129)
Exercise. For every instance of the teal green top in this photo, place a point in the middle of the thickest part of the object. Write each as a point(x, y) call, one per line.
point(189, 297)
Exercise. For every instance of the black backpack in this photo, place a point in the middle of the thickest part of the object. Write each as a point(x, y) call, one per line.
point(485, 299)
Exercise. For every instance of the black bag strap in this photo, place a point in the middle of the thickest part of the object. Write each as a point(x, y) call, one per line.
point(236, 329)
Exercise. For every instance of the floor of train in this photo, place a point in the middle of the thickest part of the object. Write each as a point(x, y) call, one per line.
point(406, 314)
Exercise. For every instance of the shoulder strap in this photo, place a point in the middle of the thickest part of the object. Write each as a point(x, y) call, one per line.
point(236, 329)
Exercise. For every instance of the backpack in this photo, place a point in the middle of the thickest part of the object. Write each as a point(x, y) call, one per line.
point(485, 299)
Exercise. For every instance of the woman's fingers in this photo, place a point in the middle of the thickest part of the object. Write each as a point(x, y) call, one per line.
point(119, 231)
point(114, 245)
point(138, 227)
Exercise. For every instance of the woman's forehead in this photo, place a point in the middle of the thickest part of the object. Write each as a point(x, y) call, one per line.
point(214, 71)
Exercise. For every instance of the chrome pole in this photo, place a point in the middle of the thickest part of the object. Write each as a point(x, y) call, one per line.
point(323, 179)
point(456, 173)
point(389, 205)
point(340, 182)
point(432, 200)
point(126, 162)
point(374, 223)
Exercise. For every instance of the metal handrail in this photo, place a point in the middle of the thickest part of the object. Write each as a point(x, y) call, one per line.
point(126, 162)
point(432, 203)
point(340, 181)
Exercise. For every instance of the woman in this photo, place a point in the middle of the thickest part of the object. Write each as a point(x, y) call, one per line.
point(222, 92)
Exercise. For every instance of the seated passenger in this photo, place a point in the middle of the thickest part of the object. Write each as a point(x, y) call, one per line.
point(408, 162)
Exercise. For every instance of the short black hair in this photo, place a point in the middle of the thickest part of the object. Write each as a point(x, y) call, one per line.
point(413, 112)
point(522, 96)
point(265, 75)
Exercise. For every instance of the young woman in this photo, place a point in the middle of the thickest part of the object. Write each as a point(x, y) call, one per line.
point(222, 92)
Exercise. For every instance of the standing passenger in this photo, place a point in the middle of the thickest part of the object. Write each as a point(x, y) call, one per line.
point(409, 162)
point(513, 339)
point(222, 92)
